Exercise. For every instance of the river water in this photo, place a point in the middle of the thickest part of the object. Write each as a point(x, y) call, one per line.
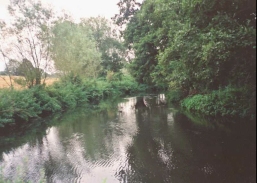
point(135, 140)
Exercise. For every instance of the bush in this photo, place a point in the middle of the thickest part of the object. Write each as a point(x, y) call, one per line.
point(229, 102)
point(46, 103)
point(17, 105)
point(70, 92)
point(67, 94)
point(175, 96)
point(127, 85)
point(6, 110)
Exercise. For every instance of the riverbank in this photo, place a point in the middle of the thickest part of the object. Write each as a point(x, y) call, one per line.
point(230, 102)
point(112, 145)
point(68, 93)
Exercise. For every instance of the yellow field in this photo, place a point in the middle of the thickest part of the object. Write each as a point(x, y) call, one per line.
point(5, 82)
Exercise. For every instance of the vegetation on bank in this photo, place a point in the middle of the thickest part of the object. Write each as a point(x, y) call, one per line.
point(202, 51)
point(230, 102)
point(68, 93)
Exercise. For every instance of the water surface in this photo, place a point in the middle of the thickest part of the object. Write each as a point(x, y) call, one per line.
point(137, 140)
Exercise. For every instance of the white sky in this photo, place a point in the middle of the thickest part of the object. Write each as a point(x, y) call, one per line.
point(77, 8)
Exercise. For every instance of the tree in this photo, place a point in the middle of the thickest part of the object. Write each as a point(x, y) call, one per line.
point(142, 37)
point(29, 72)
point(12, 67)
point(128, 9)
point(74, 50)
point(213, 48)
point(107, 43)
point(28, 35)
point(194, 45)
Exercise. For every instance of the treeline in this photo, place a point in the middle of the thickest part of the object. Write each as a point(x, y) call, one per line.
point(203, 51)
point(40, 41)
point(88, 57)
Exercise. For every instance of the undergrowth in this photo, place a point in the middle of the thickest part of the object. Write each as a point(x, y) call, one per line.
point(228, 102)
point(71, 91)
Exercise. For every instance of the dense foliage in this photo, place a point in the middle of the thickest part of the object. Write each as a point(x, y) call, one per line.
point(196, 47)
point(203, 51)
point(72, 91)
point(230, 102)
point(73, 50)
point(108, 44)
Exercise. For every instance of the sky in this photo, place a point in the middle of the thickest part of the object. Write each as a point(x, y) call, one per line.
point(77, 8)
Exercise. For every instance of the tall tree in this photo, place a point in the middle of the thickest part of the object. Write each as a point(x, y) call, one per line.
point(142, 37)
point(128, 9)
point(12, 67)
point(107, 43)
point(28, 34)
point(214, 46)
point(200, 45)
point(74, 49)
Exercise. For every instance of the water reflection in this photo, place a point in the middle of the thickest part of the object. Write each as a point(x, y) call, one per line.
point(137, 140)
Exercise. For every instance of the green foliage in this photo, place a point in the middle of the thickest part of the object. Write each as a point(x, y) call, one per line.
point(126, 85)
point(18, 105)
point(70, 92)
point(107, 43)
point(195, 47)
point(6, 110)
point(74, 50)
point(140, 36)
point(174, 96)
point(46, 102)
point(128, 8)
point(229, 102)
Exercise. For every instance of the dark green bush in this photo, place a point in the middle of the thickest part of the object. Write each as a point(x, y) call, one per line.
point(229, 102)
point(67, 94)
point(47, 103)
point(6, 109)
point(126, 86)
point(19, 105)
point(70, 92)
point(175, 96)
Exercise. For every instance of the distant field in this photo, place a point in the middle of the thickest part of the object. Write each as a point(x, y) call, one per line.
point(5, 82)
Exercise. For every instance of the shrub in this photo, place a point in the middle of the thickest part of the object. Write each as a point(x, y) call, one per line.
point(70, 92)
point(175, 96)
point(19, 105)
point(46, 103)
point(230, 102)
point(67, 94)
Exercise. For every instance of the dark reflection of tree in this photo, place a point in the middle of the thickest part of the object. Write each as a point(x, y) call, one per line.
point(94, 134)
point(144, 158)
point(221, 155)
point(15, 136)
point(79, 134)
point(168, 147)
point(182, 152)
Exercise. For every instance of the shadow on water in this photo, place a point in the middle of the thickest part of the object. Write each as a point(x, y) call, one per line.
point(137, 139)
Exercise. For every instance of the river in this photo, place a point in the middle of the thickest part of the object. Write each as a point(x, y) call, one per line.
point(134, 140)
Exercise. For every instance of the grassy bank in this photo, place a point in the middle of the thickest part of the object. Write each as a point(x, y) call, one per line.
point(68, 93)
point(228, 102)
